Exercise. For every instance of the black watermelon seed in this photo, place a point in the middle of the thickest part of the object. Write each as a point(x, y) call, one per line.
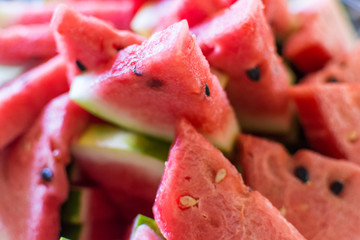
point(336, 187)
point(136, 71)
point(80, 66)
point(207, 90)
point(47, 175)
point(332, 79)
point(302, 174)
point(154, 83)
point(254, 74)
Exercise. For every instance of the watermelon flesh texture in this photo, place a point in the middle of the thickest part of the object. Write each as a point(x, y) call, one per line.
point(140, 92)
point(118, 13)
point(325, 33)
point(30, 209)
point(341, 70)
point(22, 99)
point(202, 196)
point(312, 207)
point(22, 43)
point(90, 41)
point(330, 117)
point(242, 35)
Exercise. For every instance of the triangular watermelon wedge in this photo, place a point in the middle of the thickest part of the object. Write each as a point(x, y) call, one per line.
point(202, 196)
point(87, 42)
point(317, 194)
point(33, 177)
point(238, 41)
point(152, 85)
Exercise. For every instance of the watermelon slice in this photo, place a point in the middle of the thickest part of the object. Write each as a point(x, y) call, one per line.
point(258, 81)
point(317, 194)
point(118, 13)
point(202, 196)
point(139, 92)
point(20, 43)
point(342, 70)
point(34, 177)
point(87, 42)
point(325, 33)
point(330, 115)
point(21, 100)
point(106, 152)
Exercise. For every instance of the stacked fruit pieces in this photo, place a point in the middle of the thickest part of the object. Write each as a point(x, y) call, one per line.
point(126, 98)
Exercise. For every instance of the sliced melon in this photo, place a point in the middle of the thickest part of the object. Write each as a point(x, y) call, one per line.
point(121, 161)
point(151, 86)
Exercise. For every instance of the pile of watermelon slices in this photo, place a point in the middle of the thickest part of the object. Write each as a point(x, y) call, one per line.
point(179, 119)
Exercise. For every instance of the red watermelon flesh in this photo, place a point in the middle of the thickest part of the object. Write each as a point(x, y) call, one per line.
point(34, 176)
point(330, 115)
point(258, 81)
point(88, 40)
point(202, 196)
point(344, 69)
point(323, 207)
point(151, 86)
point(118, 13)
point(325, 33)
point(22, 43)
point(22, 99)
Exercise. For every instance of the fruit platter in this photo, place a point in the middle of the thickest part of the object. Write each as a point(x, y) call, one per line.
point(179, 120)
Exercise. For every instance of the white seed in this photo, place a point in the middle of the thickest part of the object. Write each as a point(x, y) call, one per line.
point(283, 211)
point(353, 136)
point(187, 201)
point(220, 175)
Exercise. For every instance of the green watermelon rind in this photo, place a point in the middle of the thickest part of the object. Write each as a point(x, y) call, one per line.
point(82, 93)
point(107, 137)
point(113, 145)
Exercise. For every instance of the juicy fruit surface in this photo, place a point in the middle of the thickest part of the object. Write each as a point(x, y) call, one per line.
point(159, 97)
point(20, 44)
point(341, 70)
point(22, 99)
point(45, 145)
point(325, 33)
point(330, 116)
point(202, 196)
point(258, 81)
point(316, 202)
point(238, 44)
